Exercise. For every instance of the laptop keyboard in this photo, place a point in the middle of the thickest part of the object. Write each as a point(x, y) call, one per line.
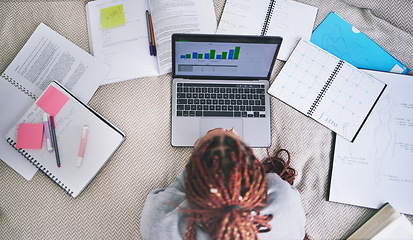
point(220, 100)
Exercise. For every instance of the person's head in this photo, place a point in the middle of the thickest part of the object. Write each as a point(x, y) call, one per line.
point(226, 188)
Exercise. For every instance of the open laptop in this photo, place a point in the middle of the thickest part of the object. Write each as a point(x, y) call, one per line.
point(221, 81)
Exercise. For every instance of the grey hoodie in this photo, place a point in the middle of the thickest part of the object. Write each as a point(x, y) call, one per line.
point(160, 220)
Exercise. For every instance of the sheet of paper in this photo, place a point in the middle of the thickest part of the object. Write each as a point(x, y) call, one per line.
point(376, 167)
point(187, 16)
point(12, 108)
point(289, 19)
point(126, 47)
point(47, 56)
point(30, 136)
point(112, 16)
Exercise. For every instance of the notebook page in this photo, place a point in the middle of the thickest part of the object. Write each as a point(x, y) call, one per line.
point(331, 91)
point(293, 21)
point(303, 76)
point(126, 47)
point(348, 101)
point(102, 141)
point(13, 104)
point(243, 17)
point(289, 19)
point(401, 228)
point(47, 56)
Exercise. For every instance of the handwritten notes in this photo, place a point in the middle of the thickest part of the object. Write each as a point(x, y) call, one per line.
point(30, 136)
point(112, 16)
point(380, 159)
point(52, 101)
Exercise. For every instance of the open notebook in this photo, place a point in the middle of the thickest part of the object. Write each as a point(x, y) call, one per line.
point(70, 116)
point(46, 56)
point(288, 19)
point(327, 89)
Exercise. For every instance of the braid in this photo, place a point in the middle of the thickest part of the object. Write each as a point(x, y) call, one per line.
point(278, 165)
point(226, 188)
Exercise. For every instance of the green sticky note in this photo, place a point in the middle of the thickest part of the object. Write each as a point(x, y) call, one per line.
point(112, 16)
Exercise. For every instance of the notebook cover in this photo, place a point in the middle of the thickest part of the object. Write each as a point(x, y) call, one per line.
point(343, 40)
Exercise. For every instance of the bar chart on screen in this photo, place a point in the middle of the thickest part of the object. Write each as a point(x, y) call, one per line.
point(231, 54)
point(204, 60)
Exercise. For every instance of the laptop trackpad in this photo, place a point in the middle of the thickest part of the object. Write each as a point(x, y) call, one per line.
point(207, 124)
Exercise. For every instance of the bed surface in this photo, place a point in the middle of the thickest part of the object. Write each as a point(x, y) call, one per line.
point(110, 207)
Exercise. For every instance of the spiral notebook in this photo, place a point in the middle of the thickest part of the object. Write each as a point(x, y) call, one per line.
point(46, 56)
point(288, 19)
point(70, 116)
point(327, 89)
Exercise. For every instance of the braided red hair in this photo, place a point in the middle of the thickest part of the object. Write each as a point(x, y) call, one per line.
point(226, 188)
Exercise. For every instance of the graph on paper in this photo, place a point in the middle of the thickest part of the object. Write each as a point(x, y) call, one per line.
point(327, 89)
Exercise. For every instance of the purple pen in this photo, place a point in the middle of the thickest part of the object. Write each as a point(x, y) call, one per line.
point(47, 132)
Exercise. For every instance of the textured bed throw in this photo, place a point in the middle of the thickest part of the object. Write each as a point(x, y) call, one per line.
point(110, 206)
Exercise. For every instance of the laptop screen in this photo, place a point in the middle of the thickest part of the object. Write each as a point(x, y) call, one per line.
point(223, 56)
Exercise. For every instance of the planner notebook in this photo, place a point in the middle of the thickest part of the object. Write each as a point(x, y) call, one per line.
point(288, 19)
point(327, 89)
point(340, 38)
point(70, 115)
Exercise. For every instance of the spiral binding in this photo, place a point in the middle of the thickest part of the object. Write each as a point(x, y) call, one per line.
point(39, 166)
point(268, 17)
point(19, 86)
point(325, 87)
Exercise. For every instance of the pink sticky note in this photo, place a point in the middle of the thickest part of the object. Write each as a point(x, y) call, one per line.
point(30, 136)
point(52, 101)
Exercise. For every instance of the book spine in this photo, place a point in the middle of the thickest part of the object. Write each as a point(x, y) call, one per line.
point(268, 17)
point(39, 166)
point(325, 88)
point(18, 86)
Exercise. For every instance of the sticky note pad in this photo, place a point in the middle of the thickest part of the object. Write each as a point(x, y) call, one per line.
point(30, 136)
point(52, 101)
point(112, 16)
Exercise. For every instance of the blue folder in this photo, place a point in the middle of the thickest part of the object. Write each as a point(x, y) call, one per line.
point(341, 39)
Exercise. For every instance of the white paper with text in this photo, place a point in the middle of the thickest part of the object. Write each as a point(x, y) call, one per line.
point(126, 47)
